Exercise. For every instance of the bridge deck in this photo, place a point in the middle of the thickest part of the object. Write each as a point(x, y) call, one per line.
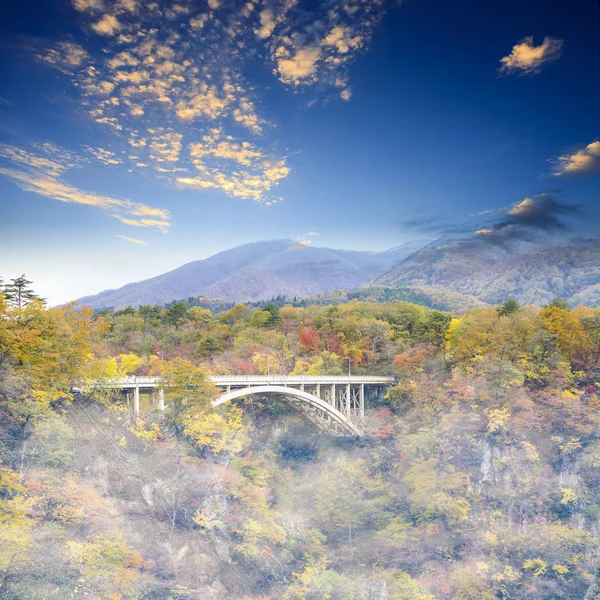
point(252, 380)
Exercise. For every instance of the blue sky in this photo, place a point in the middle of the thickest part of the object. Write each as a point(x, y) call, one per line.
point(139, 136)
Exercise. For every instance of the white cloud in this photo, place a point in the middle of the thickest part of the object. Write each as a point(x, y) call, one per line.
point(586, 160)
point(528, 59)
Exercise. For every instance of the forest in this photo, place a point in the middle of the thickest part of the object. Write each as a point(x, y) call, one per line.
point(477, 478)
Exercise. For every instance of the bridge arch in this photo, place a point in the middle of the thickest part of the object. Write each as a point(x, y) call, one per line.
point(325, 416)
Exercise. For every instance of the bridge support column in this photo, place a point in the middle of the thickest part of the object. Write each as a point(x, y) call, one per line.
point(362, 402)
point(136, 401)
point(318, 390)
point(348, 400)
point(161, 399)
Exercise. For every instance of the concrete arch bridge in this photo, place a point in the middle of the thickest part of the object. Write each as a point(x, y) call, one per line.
point(334, 403)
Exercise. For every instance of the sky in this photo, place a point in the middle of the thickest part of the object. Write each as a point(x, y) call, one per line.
point(138, 136)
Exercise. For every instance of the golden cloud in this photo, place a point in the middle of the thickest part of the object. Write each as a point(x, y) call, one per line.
point(132, 240)
point(586, 160)
point(107, 25)
point(528, 59)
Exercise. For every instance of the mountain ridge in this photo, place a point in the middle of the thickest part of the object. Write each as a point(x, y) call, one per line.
point(258, 271)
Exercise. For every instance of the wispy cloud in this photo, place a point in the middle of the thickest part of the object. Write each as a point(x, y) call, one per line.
point(42, 172)
point(132, 240)
point(585, 160)
point(528, 59)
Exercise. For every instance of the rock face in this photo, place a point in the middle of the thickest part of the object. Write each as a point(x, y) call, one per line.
point(533, 272)
point(258, 271)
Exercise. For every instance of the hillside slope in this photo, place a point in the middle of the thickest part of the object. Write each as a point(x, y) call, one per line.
point(532, 273)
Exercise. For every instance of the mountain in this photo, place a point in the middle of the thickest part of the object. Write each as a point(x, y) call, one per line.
point(259, 271)
point(534, 273)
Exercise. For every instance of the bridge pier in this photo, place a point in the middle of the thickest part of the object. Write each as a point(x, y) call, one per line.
point(362, 402)
point(348, 399)
point(136, 401)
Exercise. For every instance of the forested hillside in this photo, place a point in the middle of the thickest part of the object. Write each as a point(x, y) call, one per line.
point(534, 272)
point(477, 477)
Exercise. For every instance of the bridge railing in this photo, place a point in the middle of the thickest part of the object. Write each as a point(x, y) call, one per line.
point(224, 379)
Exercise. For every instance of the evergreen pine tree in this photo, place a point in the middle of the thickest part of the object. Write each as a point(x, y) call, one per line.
point(18, 292)
point(509, 307)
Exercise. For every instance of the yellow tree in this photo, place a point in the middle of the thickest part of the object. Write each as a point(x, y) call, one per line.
point(571, 337)
point(109, 564)
point(188, 391)
point(15, 527)
point(217, 431)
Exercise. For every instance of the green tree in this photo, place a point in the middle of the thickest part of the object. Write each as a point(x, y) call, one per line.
point(509, 307)
point(274, 317)
point(176, 314)
point(19, 293)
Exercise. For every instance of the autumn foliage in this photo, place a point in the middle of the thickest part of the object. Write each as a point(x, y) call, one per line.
point(477, 477)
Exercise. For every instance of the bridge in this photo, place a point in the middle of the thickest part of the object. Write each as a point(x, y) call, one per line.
point(334, 403)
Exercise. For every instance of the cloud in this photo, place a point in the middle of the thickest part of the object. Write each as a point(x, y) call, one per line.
point(314, 44)
point(542, 213)
point(88, 5)
point(42, 175)
point(527, 59)
point(104, 156)
point(66, 56)
point(436, 226)
point(586, 160)
point(107, 25)
point(301, 67)
point(132, 240)
point(160, 76)
point(238, 167)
